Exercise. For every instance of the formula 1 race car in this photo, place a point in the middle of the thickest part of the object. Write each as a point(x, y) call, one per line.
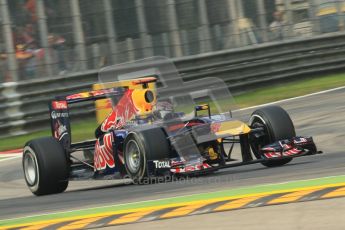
point(156, 129)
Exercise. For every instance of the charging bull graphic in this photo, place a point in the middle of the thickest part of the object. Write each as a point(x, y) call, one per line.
point(134, 104)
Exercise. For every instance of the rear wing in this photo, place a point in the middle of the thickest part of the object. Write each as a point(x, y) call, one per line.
point(59, 107)
point(95, 95)
point(59, 121)
point(59, 111)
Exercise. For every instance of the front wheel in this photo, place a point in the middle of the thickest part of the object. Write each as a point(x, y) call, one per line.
point(45, 166)
point(277, 125)
point(142, 146)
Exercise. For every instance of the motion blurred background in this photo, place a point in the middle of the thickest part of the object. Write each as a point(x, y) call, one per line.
point(50, 48)
point(47, 38)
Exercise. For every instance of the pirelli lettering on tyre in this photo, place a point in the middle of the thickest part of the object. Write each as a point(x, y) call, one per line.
point(162, 164)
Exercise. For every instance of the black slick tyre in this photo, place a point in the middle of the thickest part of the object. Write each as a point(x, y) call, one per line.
point(142, 146)
point(277, 125)
point(45, 166)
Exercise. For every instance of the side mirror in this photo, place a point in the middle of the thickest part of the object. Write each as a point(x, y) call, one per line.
point(201, 108)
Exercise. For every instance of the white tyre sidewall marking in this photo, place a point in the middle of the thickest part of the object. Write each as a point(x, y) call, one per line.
point(252, 118)
point(143, 155)
point(130, 161)
point(35, 186)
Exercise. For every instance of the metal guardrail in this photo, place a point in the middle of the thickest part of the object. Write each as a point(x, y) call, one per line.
point(23, 106)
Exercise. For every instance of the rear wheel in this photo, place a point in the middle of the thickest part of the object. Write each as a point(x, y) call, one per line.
point(45, 166)
point(142, 146)
point(277, 125)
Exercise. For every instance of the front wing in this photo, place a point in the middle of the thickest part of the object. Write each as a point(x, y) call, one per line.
point(289, 148)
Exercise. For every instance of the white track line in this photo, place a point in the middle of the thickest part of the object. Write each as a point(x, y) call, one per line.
point(9, 158)
point(10, 154)
point(292, 98)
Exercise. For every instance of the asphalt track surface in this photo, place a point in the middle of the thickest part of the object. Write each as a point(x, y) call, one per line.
point(322, 116)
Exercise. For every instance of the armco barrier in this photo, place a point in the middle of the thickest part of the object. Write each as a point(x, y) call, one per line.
point(23, 106)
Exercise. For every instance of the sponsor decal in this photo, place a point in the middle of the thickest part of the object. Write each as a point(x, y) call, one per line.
point(272, 155)
point(300, 140)
point(215, 127)
point(98, 92)
point(103, 156)
point(78, 96)
point(123, 112)
point(176, 162)
point(293, 151)
point(285, 144)
point(286, 153)
point(191, 168)
point(56, 115)
point(144, 80)
point(59, 105)
point(101, 92)
point(161, 164)
point(268, 149)
point(183, 125)
point(60, 130)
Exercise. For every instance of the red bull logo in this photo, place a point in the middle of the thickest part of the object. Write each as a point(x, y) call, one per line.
point(103, 157)
point(123, 112)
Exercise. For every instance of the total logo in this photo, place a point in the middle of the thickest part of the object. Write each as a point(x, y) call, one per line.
point(161, 164)
point(59, 105)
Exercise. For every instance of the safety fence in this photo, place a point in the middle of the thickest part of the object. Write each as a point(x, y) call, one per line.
point(45, 38)
point(24, 106)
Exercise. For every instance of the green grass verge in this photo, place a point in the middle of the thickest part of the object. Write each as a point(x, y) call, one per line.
point(243, 191)
point(81, 130)
point(84, 129)
point(291, 89)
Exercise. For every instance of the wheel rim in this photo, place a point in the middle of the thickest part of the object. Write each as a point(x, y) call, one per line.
point(133, 156)
point(257, 122)
point(30, 168)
